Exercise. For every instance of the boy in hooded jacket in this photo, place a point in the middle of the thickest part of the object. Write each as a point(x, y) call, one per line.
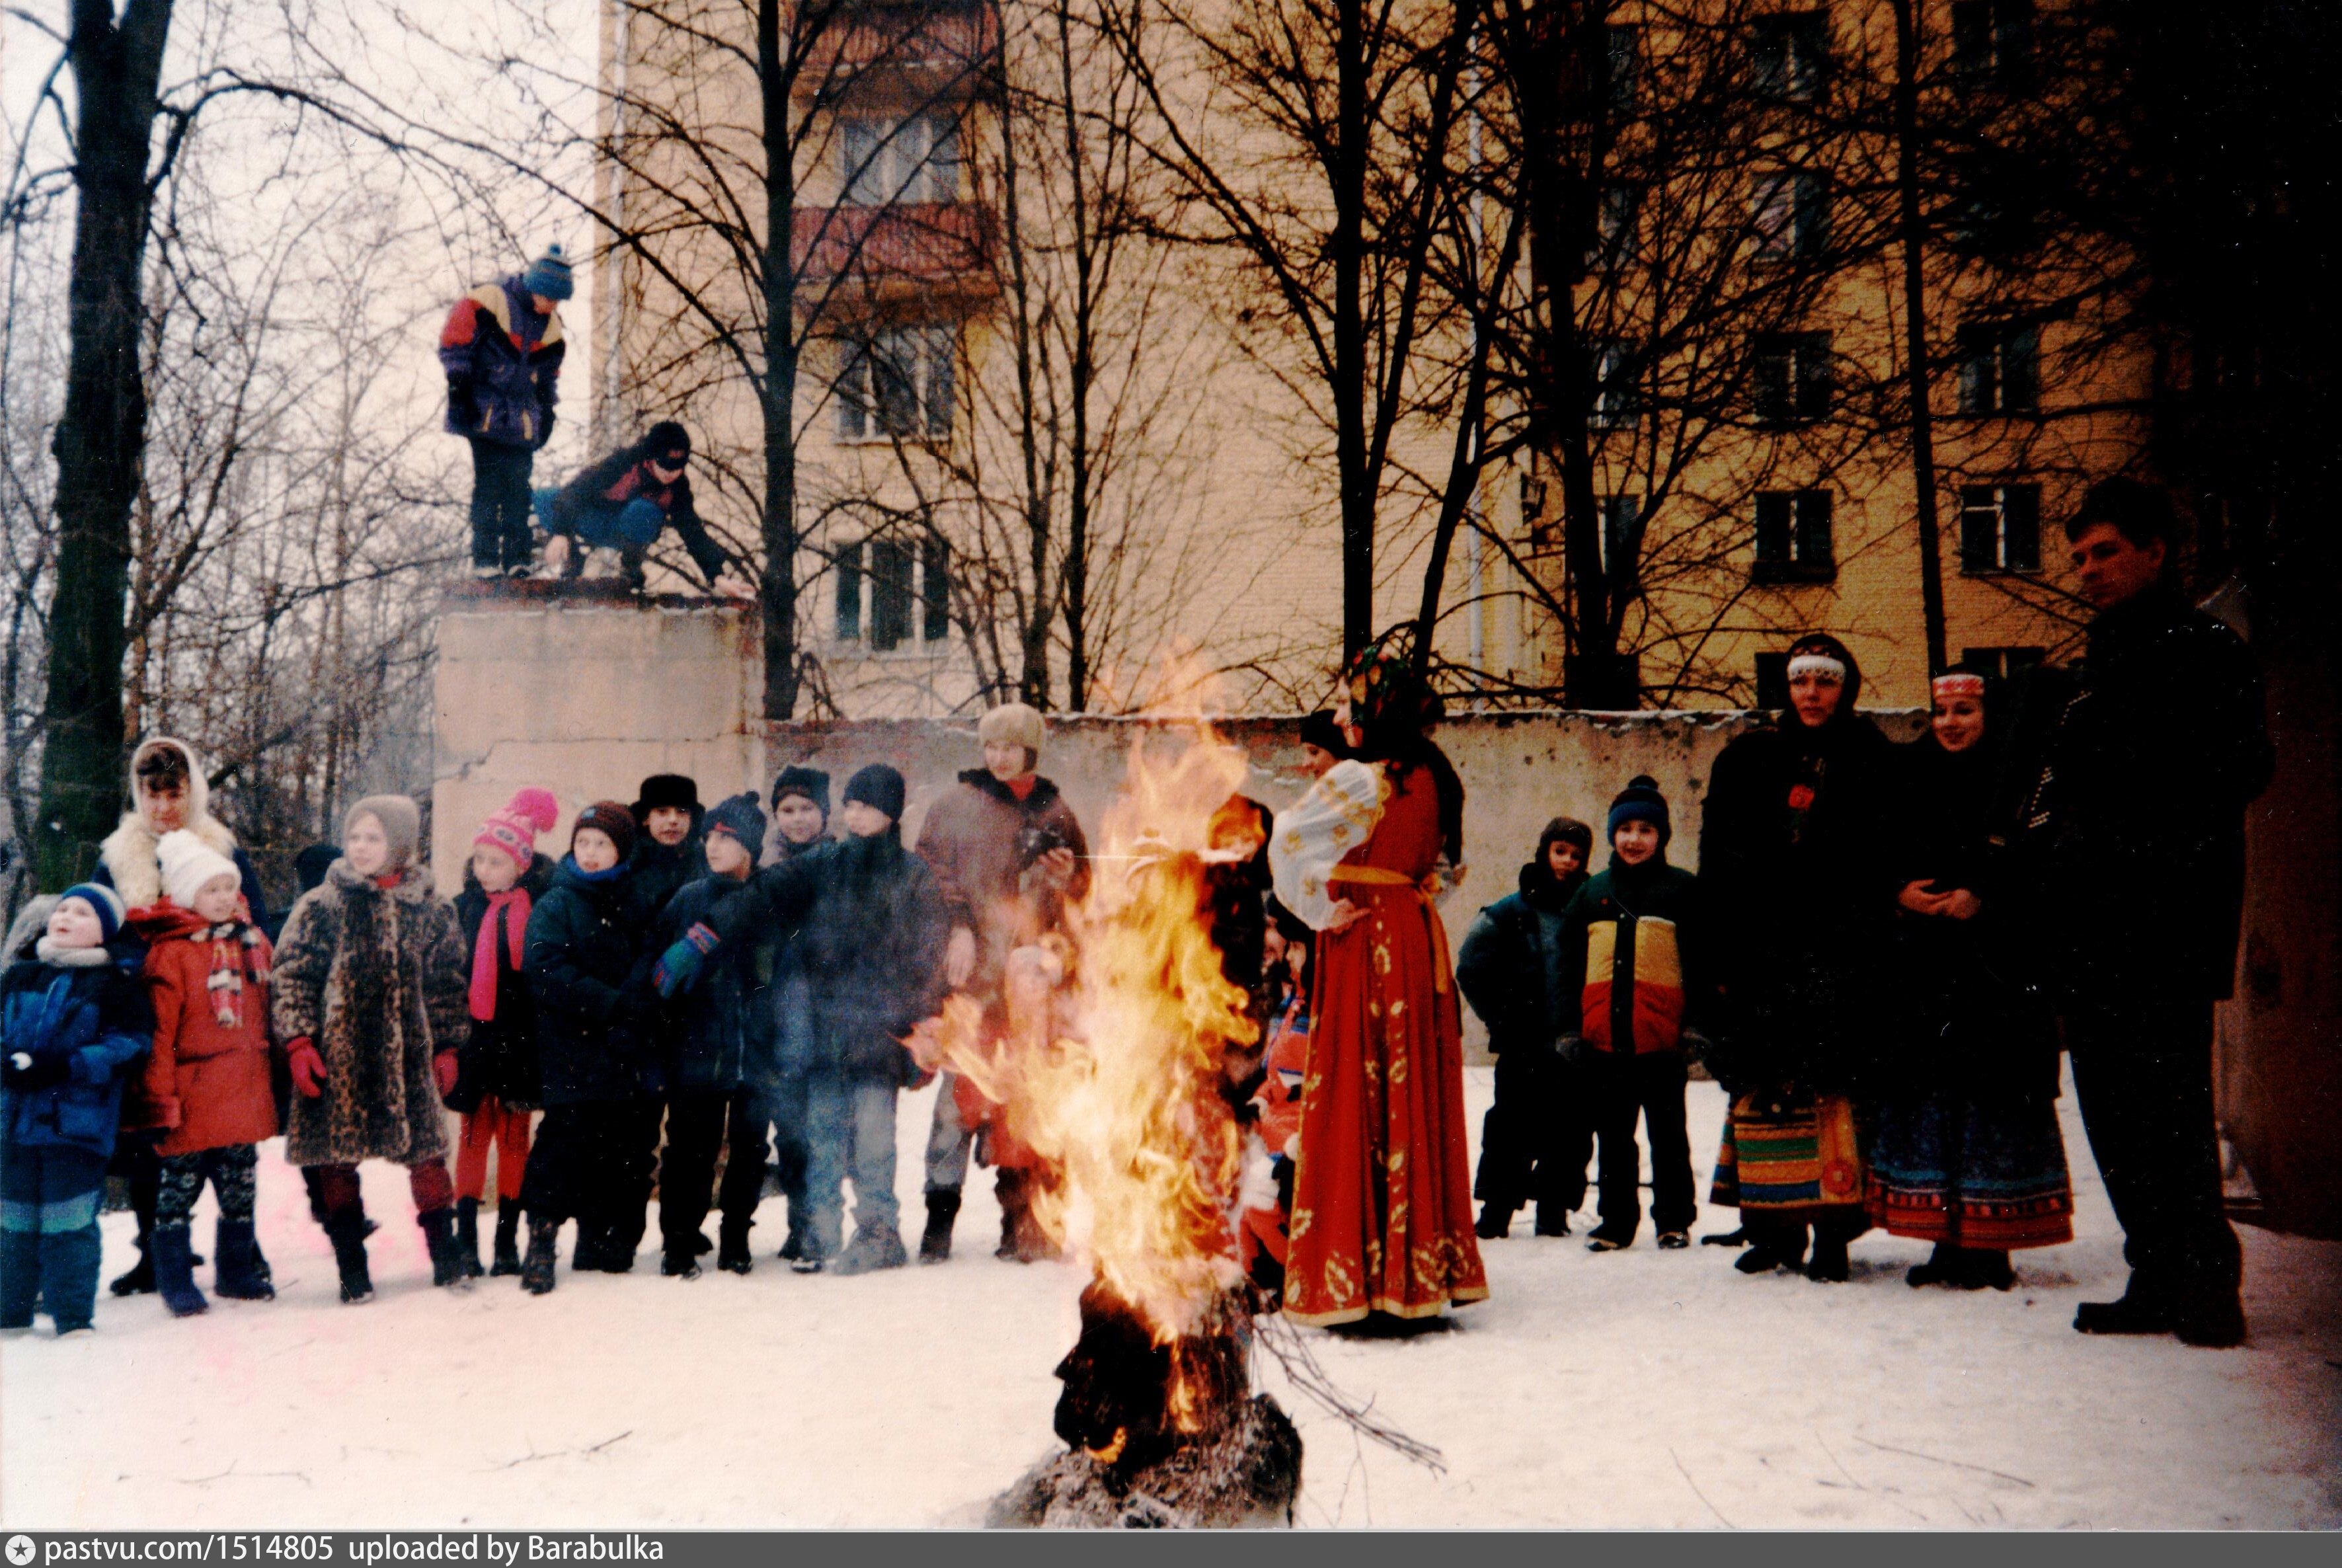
point(1538, 1135)
point(718, 1043)
point(497, 1081)
point(1633, 936)
point(207, 973)
point(591, 1162)
point(73, 1021)
point(875, 925)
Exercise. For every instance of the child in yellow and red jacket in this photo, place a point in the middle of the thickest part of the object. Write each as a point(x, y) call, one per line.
point(1633, 933)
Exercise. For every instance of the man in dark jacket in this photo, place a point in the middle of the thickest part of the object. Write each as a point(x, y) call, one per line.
point(1537, 1138)
point(718, 1041)
point(2132, 826)
point(1008, 856)
point(624, 501)
point(502, 349)
point(875, 924)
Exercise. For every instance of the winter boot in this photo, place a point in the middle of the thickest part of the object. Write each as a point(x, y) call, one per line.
point(2214, 1322)
point(467, 1236)
point(1773, 1248)
point(1012, 1188)
point(242, 1273)
point(138, 1279)
point(1829, 1264)
point(870, 1251)
point(173, 1275)
point(1988, 1267)
point(348, 1232)
point(935, 1242)
point(793, 1245)
point(1738, 1238)
point(1555, 1224)
point(536, 1272)
point(680, 1260)
point(447, 1268)
point(507, 1241)
point(2137, 1311)
point(20, 1277)
point(732, 1249)
point(1497, 1223)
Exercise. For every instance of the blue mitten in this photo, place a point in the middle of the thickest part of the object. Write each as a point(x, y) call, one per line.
point(678, 967)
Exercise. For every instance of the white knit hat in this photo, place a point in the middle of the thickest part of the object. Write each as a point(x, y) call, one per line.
point(188, 863)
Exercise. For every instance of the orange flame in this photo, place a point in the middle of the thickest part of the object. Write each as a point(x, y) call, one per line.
point(1120, 1098)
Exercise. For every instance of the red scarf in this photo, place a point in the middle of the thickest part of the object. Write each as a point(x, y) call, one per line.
point(483, 954)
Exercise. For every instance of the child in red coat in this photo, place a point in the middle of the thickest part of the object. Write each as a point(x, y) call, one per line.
point(208, 972)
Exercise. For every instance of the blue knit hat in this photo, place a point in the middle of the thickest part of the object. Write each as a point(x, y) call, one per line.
point(1640, 800)
point(104, 901)
point(740, 816)
point(548, 275)
point(877, 785)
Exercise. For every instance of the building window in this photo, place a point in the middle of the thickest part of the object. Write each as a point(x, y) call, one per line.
point(897, 382)
point(1791, 377)
point(2002, 663)
point(1789, 209)
point(1992, 40)
point(881, 161)
point(1622, 68)
point(1790, 54)
point(1793, 537)
point(1617, 398)
point(1772, 680)
point(2000, 528)
point(1622, 542)
point(898, 609)
point(2000, 366)
point(1616, 213)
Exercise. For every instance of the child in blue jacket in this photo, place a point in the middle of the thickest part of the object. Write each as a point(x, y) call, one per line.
point(73, 1020)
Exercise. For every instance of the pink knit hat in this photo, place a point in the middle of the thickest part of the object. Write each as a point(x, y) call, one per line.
point(514, 829)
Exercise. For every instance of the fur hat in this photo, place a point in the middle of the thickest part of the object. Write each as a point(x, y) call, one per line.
point(881, 786)
point(742, 818)
point(514, 829)
point(104, 901)
point(810, 783)
point(1640, 800)
point(1014, 723)
point(188, 864)
point(401, 825)
point(667, 790)
point(612, 821)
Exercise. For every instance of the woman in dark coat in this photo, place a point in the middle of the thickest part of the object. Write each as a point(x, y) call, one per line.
point(1968, 1153)
point(591, 1162)
point(1792, 851)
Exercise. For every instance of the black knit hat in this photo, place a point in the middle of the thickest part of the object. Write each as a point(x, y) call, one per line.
point(612, 821)
point(810, 783)
point(742, 818)
point(1319, 730)
point(667, 439)
point(667, 790)
point(877, 785)
point(1640, 800)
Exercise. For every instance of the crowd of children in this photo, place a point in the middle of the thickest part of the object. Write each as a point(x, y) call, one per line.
point(1873, 973)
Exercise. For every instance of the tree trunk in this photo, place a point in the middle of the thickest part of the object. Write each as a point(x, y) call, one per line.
point(780, 531)
point(1081, 373)
point(100, 442)
point(1913, 235)
point(1348, 245)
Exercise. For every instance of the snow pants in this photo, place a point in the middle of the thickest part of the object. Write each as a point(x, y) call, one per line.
point(48, 1234)
point(500, 504)
point(1537, 1136)
point(592, 1163)
point(1648, 1087)
point(850, 1132)
point(698, 1123)
point(2143, 1074)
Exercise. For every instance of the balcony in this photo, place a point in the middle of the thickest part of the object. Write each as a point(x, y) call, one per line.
point(935, 48)
point(908, 247)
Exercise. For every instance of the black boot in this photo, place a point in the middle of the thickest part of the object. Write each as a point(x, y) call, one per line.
point(175, 1276)
point(935, 1242)
point(731, 1247)
point(536, 1271)
point(242, 1273)
point(1557, 1223)
point(1829, 1264)
point(1988, 1267)
point(2137, 1313)
point(1496, 1222)
point(1942, 1268)
point(467, 1236)
point(138, 1279)
point(507, 1239)
point(446, 1263)
point(348, 1233)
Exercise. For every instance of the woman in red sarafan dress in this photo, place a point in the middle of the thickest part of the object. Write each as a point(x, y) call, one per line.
point(1382, 1201)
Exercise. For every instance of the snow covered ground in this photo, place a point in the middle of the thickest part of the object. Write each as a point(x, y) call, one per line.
point(1636, 1389)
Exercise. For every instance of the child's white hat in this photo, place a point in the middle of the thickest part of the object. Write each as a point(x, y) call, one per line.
point(188, 863)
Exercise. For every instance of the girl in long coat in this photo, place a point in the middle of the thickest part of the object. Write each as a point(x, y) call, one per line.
point(1792, 851)
point(1967, 1154)
point(1382, 1198)
point(371, 1004)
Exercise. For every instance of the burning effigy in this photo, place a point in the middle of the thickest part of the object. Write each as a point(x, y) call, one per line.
point(1116, 1090)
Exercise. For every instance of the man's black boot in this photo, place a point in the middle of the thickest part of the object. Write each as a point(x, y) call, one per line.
point(507, 1239)
point(2137, 1312)
point(536, 1269)
point(1496, 1222)
point(731, 1247)
point(467, 1236)
point(935, 1242)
